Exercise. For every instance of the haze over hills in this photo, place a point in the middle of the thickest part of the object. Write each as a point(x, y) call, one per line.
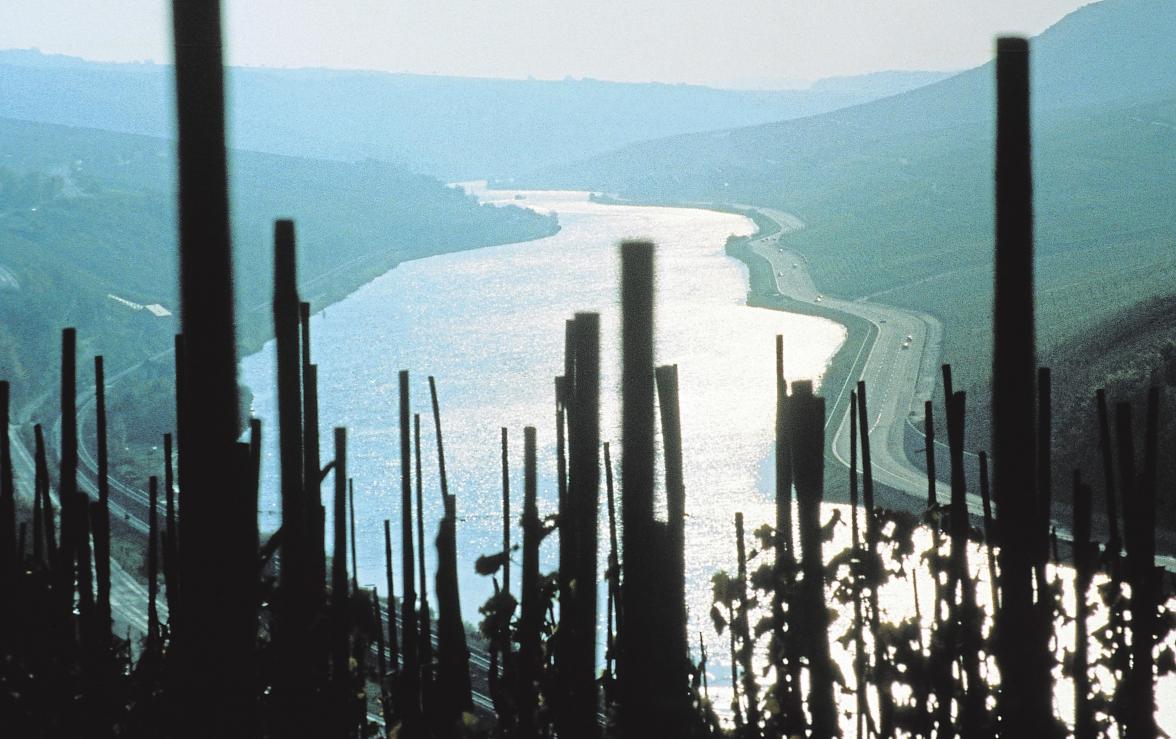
point(897, 193)
point(450, 127)
point(88, 232)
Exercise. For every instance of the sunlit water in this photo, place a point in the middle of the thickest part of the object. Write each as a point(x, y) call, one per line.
point(489, 325)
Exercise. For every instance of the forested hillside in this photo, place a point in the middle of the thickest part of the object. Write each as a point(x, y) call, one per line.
point(88, 232)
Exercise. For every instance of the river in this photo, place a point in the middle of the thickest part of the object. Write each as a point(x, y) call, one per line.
point(489, 325)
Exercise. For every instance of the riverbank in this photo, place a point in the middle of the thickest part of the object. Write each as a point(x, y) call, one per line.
point(899, 463)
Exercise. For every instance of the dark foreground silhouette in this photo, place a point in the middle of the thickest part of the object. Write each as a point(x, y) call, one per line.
point(275, 639)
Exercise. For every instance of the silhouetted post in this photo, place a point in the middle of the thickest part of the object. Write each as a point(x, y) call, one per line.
point(883, 676)
point(1139, 530)
point(86, 623)
point(973, 717)
point(989, 533)
point(351, 527)
point(440, 444)
point(504, 637)
point(742, 623)
point(785, 640)
point(314, 511)
point(171, 561)
point(1024, 702)
point(340, 597)
point(645, 708)
point(531, 615)
point(807, 420)
point(381, 659)
point(38, 520)
point(294, 645)
point(215, 661)
point(100, 522)
point(614, 562)
point(393, 642)
point(67, 484)
point(671, 426)
point(859, 643)
point(929, 439)
point(9, 559)
point(153, 564)
point(42, 486)
point(584, 500)
point(410, 711)
point(1044, 497)
point(1114, 542)
point(1085, 559)
point(426, 640)
point(453, 655)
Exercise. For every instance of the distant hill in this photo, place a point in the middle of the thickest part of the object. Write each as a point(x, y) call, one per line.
point(450, 127)
point(897, 193)
point(88, 233)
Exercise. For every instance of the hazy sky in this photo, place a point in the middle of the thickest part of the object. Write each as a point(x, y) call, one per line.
point(718, 42)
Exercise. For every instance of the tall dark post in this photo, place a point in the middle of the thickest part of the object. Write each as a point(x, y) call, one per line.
point(215, 660)
point(386, 709)
point(101, 518)
point(314, 511)
point(584, 500)
point(1114, 542)
point(292, 639)
point(393, 642)
point(1085, 560)
point(9, 559)
point(340, 597)
point(807, 419)
point(929, 439)
point(171, 561)
point(784, 639)
point(1139, 506)
point(153, 563)
point(67, 485)
point(746, 651)
point(1024, 702)
point(351, 528)
point(453, 656)
point(42, 486)
point(989, 532)
point(531, 616)
point(426, 626)
point(882, 671)
point(505, 512)
point(100, 428)
point(440, 445)
point(859, 643)
point(316, 514)
point(1044, 496)
point(671, 425)
point(410, 687)
point(644, 710)
point(973, 716)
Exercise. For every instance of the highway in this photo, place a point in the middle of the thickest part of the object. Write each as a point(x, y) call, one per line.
point(898, 380)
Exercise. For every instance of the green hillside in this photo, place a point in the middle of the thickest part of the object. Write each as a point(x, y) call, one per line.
point(897, 194)
point(87, 214)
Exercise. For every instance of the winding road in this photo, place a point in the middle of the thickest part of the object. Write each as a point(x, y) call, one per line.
point(898, 380)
